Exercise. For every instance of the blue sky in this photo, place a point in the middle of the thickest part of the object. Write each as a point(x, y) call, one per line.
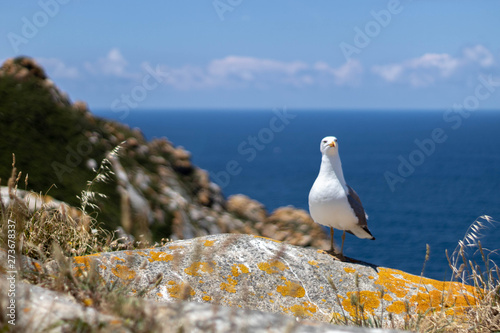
point(419, 54)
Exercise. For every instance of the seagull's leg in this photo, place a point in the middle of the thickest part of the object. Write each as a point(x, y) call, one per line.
point(332, 250)
point(342, 247)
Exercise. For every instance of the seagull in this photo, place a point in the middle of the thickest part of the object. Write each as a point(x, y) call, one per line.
point(332, 202)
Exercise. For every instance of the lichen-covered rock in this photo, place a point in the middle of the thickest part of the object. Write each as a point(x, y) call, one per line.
point(256, 273)
point(41, 310)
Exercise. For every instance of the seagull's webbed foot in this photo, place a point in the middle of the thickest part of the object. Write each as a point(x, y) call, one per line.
point(339, 256)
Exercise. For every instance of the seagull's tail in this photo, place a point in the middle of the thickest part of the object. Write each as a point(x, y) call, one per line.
point(363, 232)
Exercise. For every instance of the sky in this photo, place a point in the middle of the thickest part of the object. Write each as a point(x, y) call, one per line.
point(261, 54)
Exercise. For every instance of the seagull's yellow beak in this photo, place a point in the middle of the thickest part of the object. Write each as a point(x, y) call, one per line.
point(332, 144)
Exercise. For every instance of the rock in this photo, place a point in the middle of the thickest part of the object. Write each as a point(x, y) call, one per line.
point(296, 227)
point(40, 309)
point(255, 273)
point(244, 207)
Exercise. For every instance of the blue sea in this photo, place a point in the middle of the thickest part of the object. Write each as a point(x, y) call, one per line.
point(423, 176)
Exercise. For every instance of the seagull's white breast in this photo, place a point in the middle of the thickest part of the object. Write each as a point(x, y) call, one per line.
point(329, 206)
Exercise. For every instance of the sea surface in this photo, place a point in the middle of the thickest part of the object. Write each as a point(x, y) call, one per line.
point(423, 176)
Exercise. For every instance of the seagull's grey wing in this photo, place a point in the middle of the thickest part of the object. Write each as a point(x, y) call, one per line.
point(357, 207)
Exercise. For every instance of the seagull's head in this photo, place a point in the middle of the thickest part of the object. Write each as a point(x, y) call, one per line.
point(329, 146)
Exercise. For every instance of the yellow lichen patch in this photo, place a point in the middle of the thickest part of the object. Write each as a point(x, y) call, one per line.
point(431, 294)
point(387, 297)
point(349, 270)
point(84, 260)
point(424, 301)
point(207, 298)
point(274, 266)
point(197, 267)
point(369, 300)
point(102, 267)
point(123, 272)
point(306, 309)
point(209, 243)
point(115, 258)
point(393, 284)
point(38, 267)
point(270, 294)
point(160, 256)
point(238, 269)
point(313, 263)
point(274, 240)
point(175, 247)
point(230, 286)
point(371, 277)
point(396, 307)
point(88, 302)
point(159, 294)
point(180, 290)
point(291, 289)
point(271, 300)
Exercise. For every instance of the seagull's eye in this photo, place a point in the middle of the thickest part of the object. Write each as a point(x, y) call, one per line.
point(324, 141)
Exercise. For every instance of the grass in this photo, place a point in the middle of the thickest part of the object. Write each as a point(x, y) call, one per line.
point(54, 236)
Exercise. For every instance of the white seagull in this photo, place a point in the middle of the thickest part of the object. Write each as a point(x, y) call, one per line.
point(332, 202)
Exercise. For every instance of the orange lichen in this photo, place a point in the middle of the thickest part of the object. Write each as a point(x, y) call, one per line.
point(123, 272)
point(175, 247)
point(84, 260)
point(209, 243)
point(238, 269)
point(396, 307)
point(369, 300)
point(291, 289)
point(207, 298)
point(88, 302)
point(160, 256)
point(115, 258)
point(274, 240)
point(274, 266)
point(230, 286)
point(349, 270)
point(180, 290)
point(196, 267)
point(313, 263)
point(159, 294)
point(306, 309)
point(38, 267)
point(431, 293)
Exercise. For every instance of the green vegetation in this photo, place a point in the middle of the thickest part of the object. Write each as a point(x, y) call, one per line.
point(49, 139)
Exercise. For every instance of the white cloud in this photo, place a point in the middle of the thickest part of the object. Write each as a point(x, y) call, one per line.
point(479, 54)
point(433, 67)
point(347, 74)
point(56, 68)
point(113, 64)
point(240, 72)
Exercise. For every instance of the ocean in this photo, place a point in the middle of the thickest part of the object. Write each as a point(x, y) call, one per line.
point(423, 176)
